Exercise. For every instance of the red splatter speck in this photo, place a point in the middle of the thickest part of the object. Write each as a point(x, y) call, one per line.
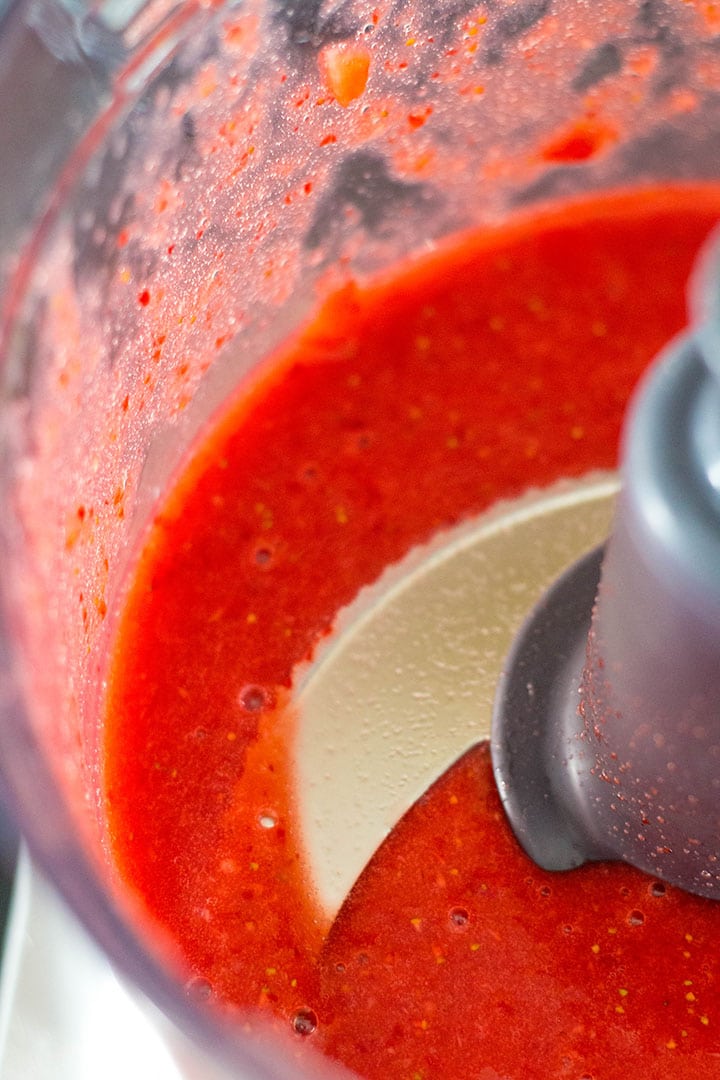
point(579, 143)
point(417, 119)
point(235, 33)
point(144, 298)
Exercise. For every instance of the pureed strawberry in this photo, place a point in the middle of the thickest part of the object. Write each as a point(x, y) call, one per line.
point(500, 363)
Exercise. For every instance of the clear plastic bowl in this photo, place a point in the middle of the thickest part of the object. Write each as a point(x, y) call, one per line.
point(179, 185)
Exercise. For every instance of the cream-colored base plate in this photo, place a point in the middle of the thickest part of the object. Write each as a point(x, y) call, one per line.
point(406, 682)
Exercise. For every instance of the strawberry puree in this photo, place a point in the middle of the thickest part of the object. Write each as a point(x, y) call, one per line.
point(501, 362)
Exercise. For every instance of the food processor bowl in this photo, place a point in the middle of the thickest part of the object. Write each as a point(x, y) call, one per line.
point(181, 185)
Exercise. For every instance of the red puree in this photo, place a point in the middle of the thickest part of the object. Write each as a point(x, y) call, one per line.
point(501, 362)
